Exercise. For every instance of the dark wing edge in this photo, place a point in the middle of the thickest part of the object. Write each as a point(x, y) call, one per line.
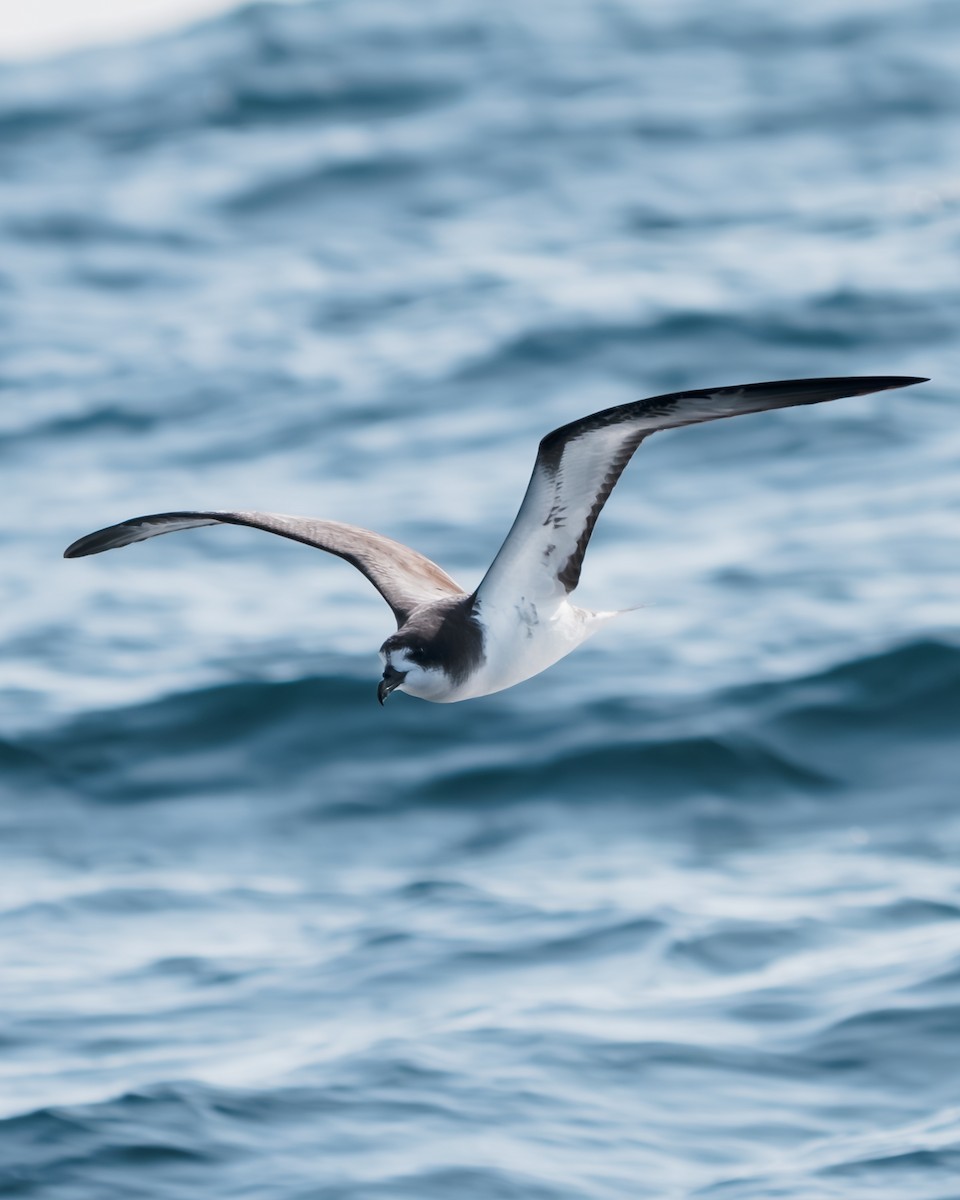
point(692, 407)
point(676, 409)
point(578, 464)
point(404, 578)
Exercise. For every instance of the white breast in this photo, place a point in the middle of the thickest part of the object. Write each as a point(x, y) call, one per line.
point(523, 639)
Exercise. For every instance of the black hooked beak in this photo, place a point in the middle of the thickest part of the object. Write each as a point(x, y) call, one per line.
point(392, 678)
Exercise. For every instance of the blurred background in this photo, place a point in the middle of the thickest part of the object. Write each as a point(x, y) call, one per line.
point(680, 917)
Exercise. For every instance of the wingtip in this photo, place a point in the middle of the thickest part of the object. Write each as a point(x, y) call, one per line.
point(881, 383)
point(886, 383)
point(82, 547)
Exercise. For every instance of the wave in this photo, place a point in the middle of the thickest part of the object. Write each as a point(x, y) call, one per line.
point(190, 1130)
point(837, 322)
point(273, 67)
point(801, 736)
point(914, 687)
point(316, 182)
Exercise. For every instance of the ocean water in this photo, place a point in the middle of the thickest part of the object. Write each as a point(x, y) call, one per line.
point(681, 916)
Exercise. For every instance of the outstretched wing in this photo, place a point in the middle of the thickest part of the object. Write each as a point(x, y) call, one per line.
point(579, 464)
point(404, 578)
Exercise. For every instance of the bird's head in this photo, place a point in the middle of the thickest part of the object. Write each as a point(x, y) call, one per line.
point(408, 667)
point(434, 652)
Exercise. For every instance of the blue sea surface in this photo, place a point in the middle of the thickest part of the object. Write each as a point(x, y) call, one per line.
point(679, 917)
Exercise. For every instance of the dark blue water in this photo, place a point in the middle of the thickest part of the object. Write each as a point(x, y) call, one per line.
point(678, 918)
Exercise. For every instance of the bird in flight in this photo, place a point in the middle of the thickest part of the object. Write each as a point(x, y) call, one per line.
point(452, 645)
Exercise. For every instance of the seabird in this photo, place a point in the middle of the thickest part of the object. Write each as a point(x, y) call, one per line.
point(451, 645)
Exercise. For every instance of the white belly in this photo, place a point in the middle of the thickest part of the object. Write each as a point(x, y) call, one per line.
point(522, 641)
